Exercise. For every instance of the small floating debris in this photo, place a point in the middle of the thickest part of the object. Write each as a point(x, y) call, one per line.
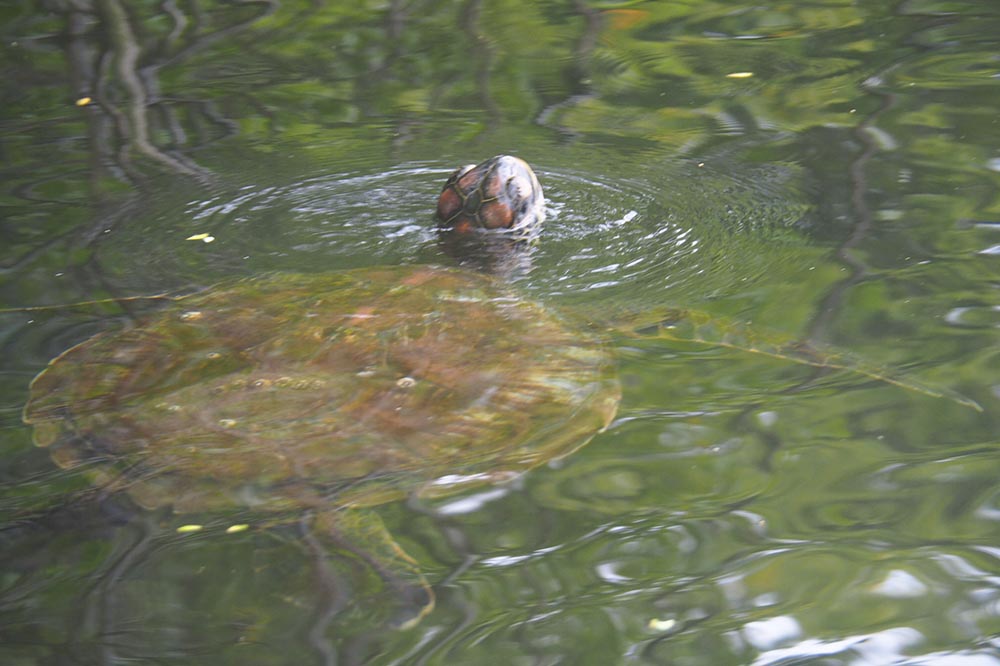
point(83, 101)
point(205, 238)
point(656, 624)
point(739, 75)
point(189, 529)
point(233, 529)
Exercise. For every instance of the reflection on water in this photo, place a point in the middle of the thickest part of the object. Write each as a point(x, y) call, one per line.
point(825, 172)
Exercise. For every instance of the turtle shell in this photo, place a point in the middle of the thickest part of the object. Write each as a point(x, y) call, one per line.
point(353, 388)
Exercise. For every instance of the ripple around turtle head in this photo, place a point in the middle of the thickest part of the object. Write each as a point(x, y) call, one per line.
point(328, 222)
point(603, 234)
point(680, 227)
point(679, 232)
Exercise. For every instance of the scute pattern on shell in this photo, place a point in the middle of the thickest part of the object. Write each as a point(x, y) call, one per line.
point(355, 388)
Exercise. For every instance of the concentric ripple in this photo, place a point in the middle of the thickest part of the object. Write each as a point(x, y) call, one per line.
point(684, 227)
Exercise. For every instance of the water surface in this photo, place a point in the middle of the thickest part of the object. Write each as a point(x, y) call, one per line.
point(821, 172)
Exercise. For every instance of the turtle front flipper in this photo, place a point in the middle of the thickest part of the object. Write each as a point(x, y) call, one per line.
point(362, 533)
point(704, 328)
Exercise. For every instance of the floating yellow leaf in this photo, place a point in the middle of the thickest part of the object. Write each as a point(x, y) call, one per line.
point(233, 529)
point(739, 75)
point(187, 529)
point(207, 238)
point(83, 101)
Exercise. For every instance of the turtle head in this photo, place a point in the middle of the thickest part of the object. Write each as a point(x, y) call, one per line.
point(500, 195)
point(489, 214)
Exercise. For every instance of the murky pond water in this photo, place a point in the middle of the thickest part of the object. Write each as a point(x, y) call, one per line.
point(823, 174)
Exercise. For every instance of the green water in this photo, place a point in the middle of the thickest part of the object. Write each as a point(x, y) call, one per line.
point(826, 172)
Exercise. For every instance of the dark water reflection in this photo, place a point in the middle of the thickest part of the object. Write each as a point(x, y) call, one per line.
point(826, 171)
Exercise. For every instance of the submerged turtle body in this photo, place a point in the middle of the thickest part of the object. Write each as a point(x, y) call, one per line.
point(312, 391)
point(326, 394)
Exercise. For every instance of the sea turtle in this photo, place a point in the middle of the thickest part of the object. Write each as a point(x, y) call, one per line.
point(323, 395)
point(329, 393)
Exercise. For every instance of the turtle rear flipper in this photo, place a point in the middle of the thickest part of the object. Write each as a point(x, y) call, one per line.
point(362, 533)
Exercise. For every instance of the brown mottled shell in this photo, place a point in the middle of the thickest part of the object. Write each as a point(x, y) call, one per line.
point(500, 193)
point(351, 388)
